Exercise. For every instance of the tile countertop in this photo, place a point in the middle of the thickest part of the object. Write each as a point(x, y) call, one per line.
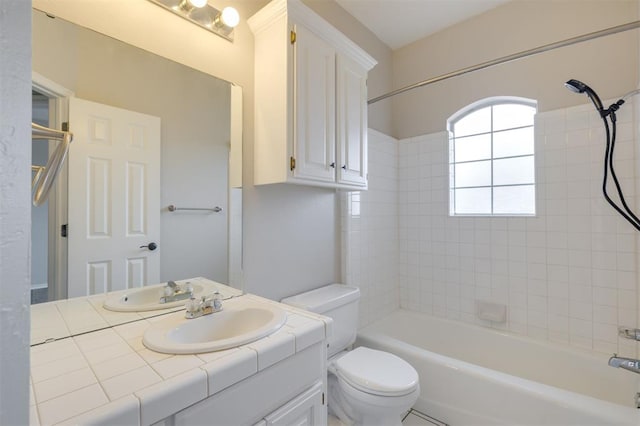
point(68, 317)
point(109, 376)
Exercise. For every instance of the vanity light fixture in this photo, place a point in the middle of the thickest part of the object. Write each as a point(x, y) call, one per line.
point(201, 13)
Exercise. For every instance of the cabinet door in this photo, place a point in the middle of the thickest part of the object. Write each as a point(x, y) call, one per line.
point(314, 107)
point(307, 409)
point(352, 122)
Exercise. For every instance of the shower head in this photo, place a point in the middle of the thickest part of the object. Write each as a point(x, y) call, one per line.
point(576, 86)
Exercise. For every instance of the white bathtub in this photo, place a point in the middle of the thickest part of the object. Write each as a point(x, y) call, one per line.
point(471, 375)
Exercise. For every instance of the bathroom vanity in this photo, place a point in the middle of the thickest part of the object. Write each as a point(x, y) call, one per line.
point(108, 376)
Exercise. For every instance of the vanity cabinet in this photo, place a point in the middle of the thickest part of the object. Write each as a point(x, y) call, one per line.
point(290, 392)
point(307, 409)
point(311, 100)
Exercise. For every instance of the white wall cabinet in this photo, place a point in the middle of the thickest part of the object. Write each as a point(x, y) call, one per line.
point(352, 122)
point(311, 100)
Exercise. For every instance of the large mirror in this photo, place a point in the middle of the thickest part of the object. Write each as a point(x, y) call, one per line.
point(198, 223)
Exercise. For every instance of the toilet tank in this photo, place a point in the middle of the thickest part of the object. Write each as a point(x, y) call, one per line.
point(340, 303)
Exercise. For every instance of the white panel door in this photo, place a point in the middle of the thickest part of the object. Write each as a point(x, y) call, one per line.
point(314, 107)
point(114, 198)
point(352, 122)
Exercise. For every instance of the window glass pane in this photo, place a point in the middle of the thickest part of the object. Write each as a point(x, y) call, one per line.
point(473, 201)
point(513, 142)
point(514, 200)
point(476, 122)
point(477, 173)
point(508, 116)
point(491, 154)
point(472, 148)
point(512, 171)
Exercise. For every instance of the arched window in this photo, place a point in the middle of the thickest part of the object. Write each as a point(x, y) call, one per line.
point(491, 158)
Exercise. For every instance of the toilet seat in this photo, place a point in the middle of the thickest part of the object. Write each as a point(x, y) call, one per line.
point(376, 372)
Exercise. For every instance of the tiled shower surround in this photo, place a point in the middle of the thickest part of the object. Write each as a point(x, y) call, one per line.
point(370, 232)
point(567, 274)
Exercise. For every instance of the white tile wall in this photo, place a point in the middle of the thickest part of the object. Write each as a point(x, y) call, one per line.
point(567, 275)
point(370, 232)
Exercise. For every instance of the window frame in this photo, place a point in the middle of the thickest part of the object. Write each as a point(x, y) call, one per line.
point(464, 112)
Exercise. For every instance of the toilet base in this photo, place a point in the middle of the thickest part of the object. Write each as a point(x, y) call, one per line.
point(357, 408)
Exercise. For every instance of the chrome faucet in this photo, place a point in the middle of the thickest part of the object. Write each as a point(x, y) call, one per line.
point(173, 292)
point(629, 333)
point(205, 306)
point(626, 363)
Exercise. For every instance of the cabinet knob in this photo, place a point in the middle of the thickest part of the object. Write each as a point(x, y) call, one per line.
point(344, 167)
point(332, 165)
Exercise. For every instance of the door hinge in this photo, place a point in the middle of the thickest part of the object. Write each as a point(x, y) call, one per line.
point(65, 126)
point(293, 37)
point(292, 163)
point(322, 398)
point(64, 230)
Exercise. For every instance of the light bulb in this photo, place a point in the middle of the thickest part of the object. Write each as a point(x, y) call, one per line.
point(230, 17)
point(198, 3)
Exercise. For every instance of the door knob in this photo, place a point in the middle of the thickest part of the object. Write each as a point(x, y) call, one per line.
point(150, 246)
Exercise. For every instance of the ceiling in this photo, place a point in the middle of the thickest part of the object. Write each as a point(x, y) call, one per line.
point(400, 22)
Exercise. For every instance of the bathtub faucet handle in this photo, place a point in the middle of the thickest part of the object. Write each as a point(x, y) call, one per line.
point(629, 364)
point(629, 333)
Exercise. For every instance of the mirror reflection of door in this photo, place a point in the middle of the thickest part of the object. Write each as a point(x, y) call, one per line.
point(114, 199)
point(39, 215)
point(133, 191)
point(48, 263)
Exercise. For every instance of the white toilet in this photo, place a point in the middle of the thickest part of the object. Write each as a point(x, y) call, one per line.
point(365, 386)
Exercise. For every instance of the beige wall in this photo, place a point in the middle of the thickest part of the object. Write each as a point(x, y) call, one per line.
point(609, 65)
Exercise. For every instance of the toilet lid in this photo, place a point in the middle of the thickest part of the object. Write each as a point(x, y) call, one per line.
point(377, 372)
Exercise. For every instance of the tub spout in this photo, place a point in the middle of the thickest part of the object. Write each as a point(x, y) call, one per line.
point(626, 363)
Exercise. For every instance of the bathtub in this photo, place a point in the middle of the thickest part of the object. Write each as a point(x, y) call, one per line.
point(470, 375)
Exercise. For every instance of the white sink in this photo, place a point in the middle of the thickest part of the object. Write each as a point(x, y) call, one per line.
point(148, 298)
point(235, 325)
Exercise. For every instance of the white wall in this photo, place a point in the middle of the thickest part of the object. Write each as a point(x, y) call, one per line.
point(15, 134)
